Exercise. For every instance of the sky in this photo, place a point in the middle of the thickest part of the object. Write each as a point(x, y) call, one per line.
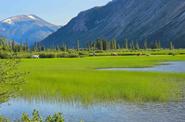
point(57, 12)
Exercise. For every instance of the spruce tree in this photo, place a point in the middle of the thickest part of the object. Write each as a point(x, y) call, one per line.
point(78, 45)
point(137, 45)
point(101, 45)
point(171, 45)
point(145, 44)
point(126, 44)
point(156, 45)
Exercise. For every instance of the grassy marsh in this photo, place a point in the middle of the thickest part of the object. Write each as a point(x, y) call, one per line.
point(77, 79)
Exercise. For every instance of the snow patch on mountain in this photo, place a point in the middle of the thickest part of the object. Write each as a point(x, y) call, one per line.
point(26, 28)
point(8, 21)
point(31, 17)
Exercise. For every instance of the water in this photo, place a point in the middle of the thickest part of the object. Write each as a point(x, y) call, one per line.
point(115, 112)
point(178, 67)
point(104, 112)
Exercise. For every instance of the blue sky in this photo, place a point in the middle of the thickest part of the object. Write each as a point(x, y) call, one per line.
point(55, 11)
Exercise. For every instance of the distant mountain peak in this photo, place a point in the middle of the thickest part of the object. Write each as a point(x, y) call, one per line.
point(23, 28)
point(19, 18)
point(32, 17)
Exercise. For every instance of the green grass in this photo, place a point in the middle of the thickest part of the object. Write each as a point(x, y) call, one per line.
point(85, 53)
point(77, 79)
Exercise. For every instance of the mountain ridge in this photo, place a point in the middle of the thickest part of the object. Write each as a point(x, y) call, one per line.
point(26, 28)
point(136, 20)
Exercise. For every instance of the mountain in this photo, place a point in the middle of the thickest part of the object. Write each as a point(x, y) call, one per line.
point(26, 28)
point(136, 20)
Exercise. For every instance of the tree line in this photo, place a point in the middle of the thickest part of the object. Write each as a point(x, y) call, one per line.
point(99, 44)
point(102, 44)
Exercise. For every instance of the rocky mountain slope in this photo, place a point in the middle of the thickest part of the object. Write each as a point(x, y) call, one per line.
point(136, 20)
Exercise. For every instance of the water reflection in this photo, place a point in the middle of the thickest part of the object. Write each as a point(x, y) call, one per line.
point(114, 112)
point(178, 67)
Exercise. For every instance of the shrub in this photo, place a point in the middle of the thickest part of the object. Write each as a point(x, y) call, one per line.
point(23, 55)
point(99, 51)
point(9, 75)
point(62, 55)
point(2, 119)
point(171, 53)
point(73, 55)
point(114, 54)
point(36, 117)
point(47, 55)
point(4, 55)
point(57, 117)
point(84, 53)
point(25, 118)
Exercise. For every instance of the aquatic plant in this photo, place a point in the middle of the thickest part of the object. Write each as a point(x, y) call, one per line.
point(57, 117)
point(25, 117)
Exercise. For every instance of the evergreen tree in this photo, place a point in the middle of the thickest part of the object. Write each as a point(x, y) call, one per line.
point(94, 46)
point(63, 47)
point(113, 44)
point(126, 44)
point(3, 44)
point(57, 48)
point(145, 45)
point(104, 44)
point(26, 46)
point(42, 48)
point(137, 46)
point(13, 46)
point(107, 45)
point(156, 45)
point(21, 47)
point(159, 44)
point(118, 46)
point(101, 44)
point(35, 47)
point(132, 45)
point(78, 45)
point(171, 45)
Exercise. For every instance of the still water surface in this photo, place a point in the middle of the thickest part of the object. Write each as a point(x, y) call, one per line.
point(115, 112)
point(178, 67)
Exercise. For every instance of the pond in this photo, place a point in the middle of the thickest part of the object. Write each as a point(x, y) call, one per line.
point(178, 67)
point(115, 112)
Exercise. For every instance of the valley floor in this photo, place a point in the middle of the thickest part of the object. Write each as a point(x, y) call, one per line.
point(75, 87)
point(78, 79)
